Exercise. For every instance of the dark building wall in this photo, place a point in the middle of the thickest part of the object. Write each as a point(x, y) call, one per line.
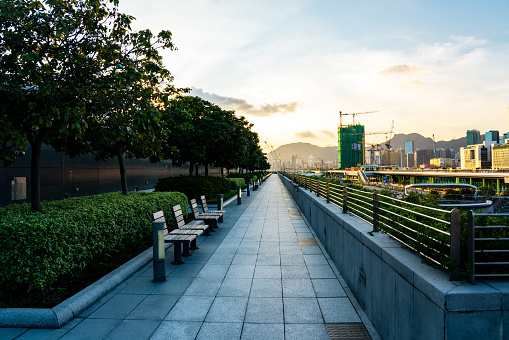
point(62, 176)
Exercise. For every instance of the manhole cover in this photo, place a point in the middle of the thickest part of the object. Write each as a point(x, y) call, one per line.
point(307, 242)
point(295, 215)
point(351, 331)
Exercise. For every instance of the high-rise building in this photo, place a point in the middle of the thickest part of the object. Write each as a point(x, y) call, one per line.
point(491, 136)
point(500, 155)
point(503, 137)
point(473, 137)
point(350, 146)
point(409, 147)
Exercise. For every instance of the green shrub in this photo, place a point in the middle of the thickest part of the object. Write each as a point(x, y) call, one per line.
point(38, 247)
point(235, 182)
point(194, 186)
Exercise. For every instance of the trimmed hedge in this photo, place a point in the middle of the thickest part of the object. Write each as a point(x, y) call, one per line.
point(194, 186)
point(235, 182)
point(38, 247)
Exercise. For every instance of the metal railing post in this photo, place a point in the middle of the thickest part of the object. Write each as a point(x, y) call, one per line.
point(471, 246)
point(454, 271)
point(345, 209)
point(376, 211)
point(328, 192)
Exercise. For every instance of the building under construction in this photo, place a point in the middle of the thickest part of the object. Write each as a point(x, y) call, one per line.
point(350, 146)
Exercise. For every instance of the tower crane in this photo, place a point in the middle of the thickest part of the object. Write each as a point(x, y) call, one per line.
point(341, 114)
point(273, 153)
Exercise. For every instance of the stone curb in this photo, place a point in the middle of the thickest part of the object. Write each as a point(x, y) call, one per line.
point(60, 315)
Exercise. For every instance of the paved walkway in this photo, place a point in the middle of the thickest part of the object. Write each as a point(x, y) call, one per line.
point(250, 280)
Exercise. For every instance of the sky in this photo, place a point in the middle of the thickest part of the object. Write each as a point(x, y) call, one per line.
point(289, 66)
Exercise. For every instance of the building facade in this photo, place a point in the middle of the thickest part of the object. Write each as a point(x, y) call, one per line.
point(500, 157)
point(473, 137)
point(350, 146)
point(409, 147)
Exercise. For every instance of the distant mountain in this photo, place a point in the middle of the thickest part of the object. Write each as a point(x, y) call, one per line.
point(304, 150)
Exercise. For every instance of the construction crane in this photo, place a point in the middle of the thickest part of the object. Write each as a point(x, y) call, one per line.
point(351, 114)
point(273, 153)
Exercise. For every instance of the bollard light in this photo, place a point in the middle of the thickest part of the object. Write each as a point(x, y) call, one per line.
point(239, 194)
point(248, 189)
point(159, 255)
point(220, 205)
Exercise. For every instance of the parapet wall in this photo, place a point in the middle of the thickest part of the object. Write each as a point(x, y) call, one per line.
point(403, 298)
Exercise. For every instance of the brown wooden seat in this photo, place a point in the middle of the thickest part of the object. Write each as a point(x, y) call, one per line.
point(181, 224)
point(206, 217)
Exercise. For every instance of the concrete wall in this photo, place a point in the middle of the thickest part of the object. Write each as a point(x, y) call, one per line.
point(403, 298)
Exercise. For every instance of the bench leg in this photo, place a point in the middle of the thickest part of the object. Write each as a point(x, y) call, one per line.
point(185, 251)
point(206, 232)
point(215, 223)
point(221, 219)
point(193, 245)
point(178, 255)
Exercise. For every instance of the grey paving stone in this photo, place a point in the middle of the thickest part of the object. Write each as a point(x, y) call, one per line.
point(133, 330)
point(177, 330)
point(42, 334)
point(244, 259)
point(118, 307)
point(289, 250)
point(220, 331)
point(140, 285)
point(214, 270)
point(91, 329)
point(298, 288)
point(259, 331)
point(306, 332)
point(221, 258)
point(153, 307)
point(204, 286)
point(266, 288)
point(198, 257)
point(264, 310)
point(240, 271)
point(305, 235)
point(86, 313)
point(314, 260)
point(268, 260)
point(235, 287)
point(227, 309)
point(12, 333)
point(292, 260)
point(311, 250)
point(267, 272)
point(294, 272)
point(187, 270)
point(321, 272)
point(302, 310)
point(328, 288)
point(338, 310)
point(191, 308)
point(174, 286)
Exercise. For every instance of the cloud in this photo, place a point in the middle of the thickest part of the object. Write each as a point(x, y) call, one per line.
point(243, 106)
point(414, 82)
point(328, 133)
point(305, 134)
point(401, 69)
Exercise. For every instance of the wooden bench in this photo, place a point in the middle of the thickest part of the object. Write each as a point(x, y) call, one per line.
point(180, 223)
point(206, 210)
point(185, 237)
point(207, 218)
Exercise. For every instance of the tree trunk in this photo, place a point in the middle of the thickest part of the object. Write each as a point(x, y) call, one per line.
point(191, 168)
point(35, 175)
point(196, 170)
point(222, 172)
point(121, 166)
point(206, 169)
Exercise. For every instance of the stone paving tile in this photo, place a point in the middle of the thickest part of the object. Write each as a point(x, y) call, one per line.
point(235, 287)
point(153, 307)
point(197, 257)
point(266, 288)
point(219, 258)
point(240, 271)
point(140, 285)
point(292, 260)
point(227, 309)
point(328, 288)
point(267, 272)
point(294, 272)
point(220, 331)
point(258, 331)
point(191, 308)
point(311, 250)
point(214, 270)
point(306, 332)
point(187, 270)
point(13, 333)
point(177, 330)
point(244, 259)
point(175, 286)
point(302, 310)
point(91, 329)
point(133, 330)
point(41, 334)
point(338, 310)
point(268, 260)
point(204, 286)
point(315, 260)
point(118, 307)
point(298, 288)
point(264, 310)
point(321, 272)
point(86, 313)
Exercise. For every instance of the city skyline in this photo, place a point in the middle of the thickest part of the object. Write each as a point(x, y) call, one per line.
point(290, 67)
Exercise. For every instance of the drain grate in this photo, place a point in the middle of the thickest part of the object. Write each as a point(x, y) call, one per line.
point(350, 331)
point(307, 242)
